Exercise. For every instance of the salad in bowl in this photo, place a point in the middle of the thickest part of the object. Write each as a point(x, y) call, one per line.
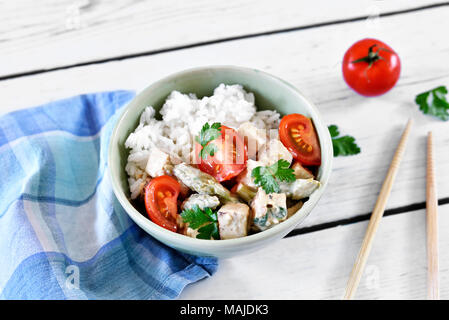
point(219, 160)
point(215, 168)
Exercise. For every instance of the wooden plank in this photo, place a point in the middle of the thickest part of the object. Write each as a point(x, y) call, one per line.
point(309, 59)
point(56, 33)
point(317, 265)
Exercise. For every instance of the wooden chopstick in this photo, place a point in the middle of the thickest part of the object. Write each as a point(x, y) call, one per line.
point(432, 225)
point(376, 216)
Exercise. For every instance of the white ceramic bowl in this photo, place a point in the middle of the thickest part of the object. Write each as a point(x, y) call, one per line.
point(271, 93)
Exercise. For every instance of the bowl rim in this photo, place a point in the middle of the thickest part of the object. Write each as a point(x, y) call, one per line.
point(183, 240)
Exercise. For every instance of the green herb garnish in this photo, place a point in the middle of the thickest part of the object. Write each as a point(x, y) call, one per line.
point(433, 102)
point(207, 134)
point(204, 220)
point(268, 177)
point(343, 146)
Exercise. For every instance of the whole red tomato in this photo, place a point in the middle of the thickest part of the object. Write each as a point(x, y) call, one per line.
point(371, 67)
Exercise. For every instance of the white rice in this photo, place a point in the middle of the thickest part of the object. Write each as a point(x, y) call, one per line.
point(183, 117)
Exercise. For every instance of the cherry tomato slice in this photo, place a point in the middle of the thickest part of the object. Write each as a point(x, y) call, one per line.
point(161, 196)
point(298, 135)
point(229, 159)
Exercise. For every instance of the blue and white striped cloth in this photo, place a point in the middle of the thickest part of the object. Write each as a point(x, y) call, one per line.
point(63, 235)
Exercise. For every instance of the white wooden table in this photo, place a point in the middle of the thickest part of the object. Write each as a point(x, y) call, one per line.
point(57, 48)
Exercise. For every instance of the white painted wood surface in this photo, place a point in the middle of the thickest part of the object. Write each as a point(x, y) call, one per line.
point(317, 265)
point(33, 39)
point(309, 59)
point(54, 33)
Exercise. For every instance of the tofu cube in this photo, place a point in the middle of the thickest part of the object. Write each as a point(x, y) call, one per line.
point(255, 138)
point(233, 220)
point(301, 172)
point(245, 177)
point(273, 151)
point(267, 210)
point(158, 163)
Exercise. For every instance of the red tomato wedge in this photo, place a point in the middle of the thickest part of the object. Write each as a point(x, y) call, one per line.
point(161, 196)
point(298, 135)
point(229, 159)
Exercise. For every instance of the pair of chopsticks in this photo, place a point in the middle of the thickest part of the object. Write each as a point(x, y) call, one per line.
point(379, 208)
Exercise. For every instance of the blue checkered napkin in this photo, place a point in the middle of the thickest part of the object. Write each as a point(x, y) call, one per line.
point(63, 233)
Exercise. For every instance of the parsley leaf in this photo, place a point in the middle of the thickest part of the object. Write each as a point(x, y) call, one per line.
point(204, 220)
point(343, 146)
point(208, 231)
point(207, 134)
point(333, 129)
point(433, 102)
point(263, 177)
point(208, 149)
point(268, 177)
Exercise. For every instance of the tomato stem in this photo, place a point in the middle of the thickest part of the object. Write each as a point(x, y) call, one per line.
point(372, 56)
